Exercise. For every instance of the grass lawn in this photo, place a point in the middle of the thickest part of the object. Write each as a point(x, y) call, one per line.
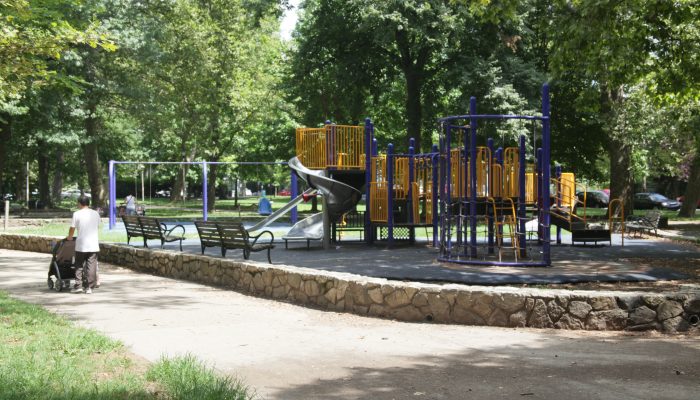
point(43, 356)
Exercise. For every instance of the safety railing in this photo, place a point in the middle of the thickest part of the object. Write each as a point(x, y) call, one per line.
point(332, 146)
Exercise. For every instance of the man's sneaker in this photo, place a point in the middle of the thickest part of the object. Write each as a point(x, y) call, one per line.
point(88, 291)
point(77, 290)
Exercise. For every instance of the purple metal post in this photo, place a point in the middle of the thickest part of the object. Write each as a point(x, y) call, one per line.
point(557, 174)
point(295, 190)
point(442, 189)
point(368, 179)
point(522, 161)
point(436, 186)
point(411, 178)
point(205, 195)
point(540, 201)
point(472, 166)
point(447, 185)
point(112, 197)
point(489, 191)
point(545, 171)
point(390, 192)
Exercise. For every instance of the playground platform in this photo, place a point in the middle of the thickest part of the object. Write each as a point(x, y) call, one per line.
point(639, 260)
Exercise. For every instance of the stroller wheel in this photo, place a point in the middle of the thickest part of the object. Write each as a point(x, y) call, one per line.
point(49, 282)
point(58, 285)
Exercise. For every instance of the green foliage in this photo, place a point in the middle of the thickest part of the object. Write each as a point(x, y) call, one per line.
point(188, 378)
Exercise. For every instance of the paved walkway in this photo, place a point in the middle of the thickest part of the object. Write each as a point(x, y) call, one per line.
point(290, 352)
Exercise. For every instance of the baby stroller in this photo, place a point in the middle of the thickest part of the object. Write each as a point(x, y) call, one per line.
point(62, 267)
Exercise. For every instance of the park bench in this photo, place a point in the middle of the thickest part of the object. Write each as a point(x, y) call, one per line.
point(232, 236)
point(648, 223)
point(151, 228)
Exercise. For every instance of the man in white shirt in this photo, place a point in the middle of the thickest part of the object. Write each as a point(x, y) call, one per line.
point(130, 204)
point(87, 223)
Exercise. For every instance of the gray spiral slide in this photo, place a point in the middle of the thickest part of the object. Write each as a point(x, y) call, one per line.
point(339, 199)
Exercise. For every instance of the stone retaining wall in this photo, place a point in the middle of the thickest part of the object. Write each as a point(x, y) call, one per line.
point(409, 301)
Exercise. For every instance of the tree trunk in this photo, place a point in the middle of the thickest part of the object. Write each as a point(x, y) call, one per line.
point(211, 186)
point(57, 186)
point(414, 108)
point(619, 148)
point(92, 159)
point(43, 161)
point(692, 191)
point(5, 135)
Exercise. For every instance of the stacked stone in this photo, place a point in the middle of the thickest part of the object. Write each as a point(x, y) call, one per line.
point(410, 301)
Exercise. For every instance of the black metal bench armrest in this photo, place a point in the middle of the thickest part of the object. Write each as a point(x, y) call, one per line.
point(272, 237)
point(169, 232)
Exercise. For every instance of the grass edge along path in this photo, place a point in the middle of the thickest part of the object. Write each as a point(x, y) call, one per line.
point(44, 356)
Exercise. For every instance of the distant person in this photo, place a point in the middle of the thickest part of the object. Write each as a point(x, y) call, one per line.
point(87, 222)
point(264, 205)
point(130, 201)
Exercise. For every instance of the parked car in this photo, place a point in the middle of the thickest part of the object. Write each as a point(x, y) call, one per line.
point(680, 199)
point(163, 193)
point(73, 194)
point(284, 192)
point(594, 198)
point(654, 201)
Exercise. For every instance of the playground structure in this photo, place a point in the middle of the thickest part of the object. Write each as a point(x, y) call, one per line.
point(483, 205)
point(477, 199)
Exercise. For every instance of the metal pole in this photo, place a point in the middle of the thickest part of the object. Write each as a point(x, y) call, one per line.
point(522, 160)
point(472, 165)
point(411, 178)
point(27, 198)
point(546, 171)
point(143, 188)
point(205, 195)
point(294, 189)
point(390, 192)
point(489, 192)
point(436, 186)
point(326, 225)
point(557, 174)
point(368, 179)
point(112, 196)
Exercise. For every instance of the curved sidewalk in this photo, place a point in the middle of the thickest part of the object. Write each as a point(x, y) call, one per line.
point(290, 352)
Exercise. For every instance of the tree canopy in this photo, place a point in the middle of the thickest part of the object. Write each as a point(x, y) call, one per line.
point(85, 82)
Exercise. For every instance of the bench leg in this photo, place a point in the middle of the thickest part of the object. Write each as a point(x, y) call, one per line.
point(223, 251)
point(162, 244)
point(145, 242)
point(268, 256)
point(246, 254)
point(202, 250)
point(180, 244)
point(128, 239)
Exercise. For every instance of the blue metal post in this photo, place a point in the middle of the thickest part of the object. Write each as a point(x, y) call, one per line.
point(557, 174)
point(295, 192)
point(545, 171)
point(489, 191)
point(442, 189)
point(472, 166)
point(409, 200)
point(390, 192)
point(112, 197)
point(540, 202)
point(205, 195)
point(436, 186)
point(368, 179)
point(522, 161)
point(447, 185)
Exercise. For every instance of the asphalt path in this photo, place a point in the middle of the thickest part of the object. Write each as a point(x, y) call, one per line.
point(285, 351)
